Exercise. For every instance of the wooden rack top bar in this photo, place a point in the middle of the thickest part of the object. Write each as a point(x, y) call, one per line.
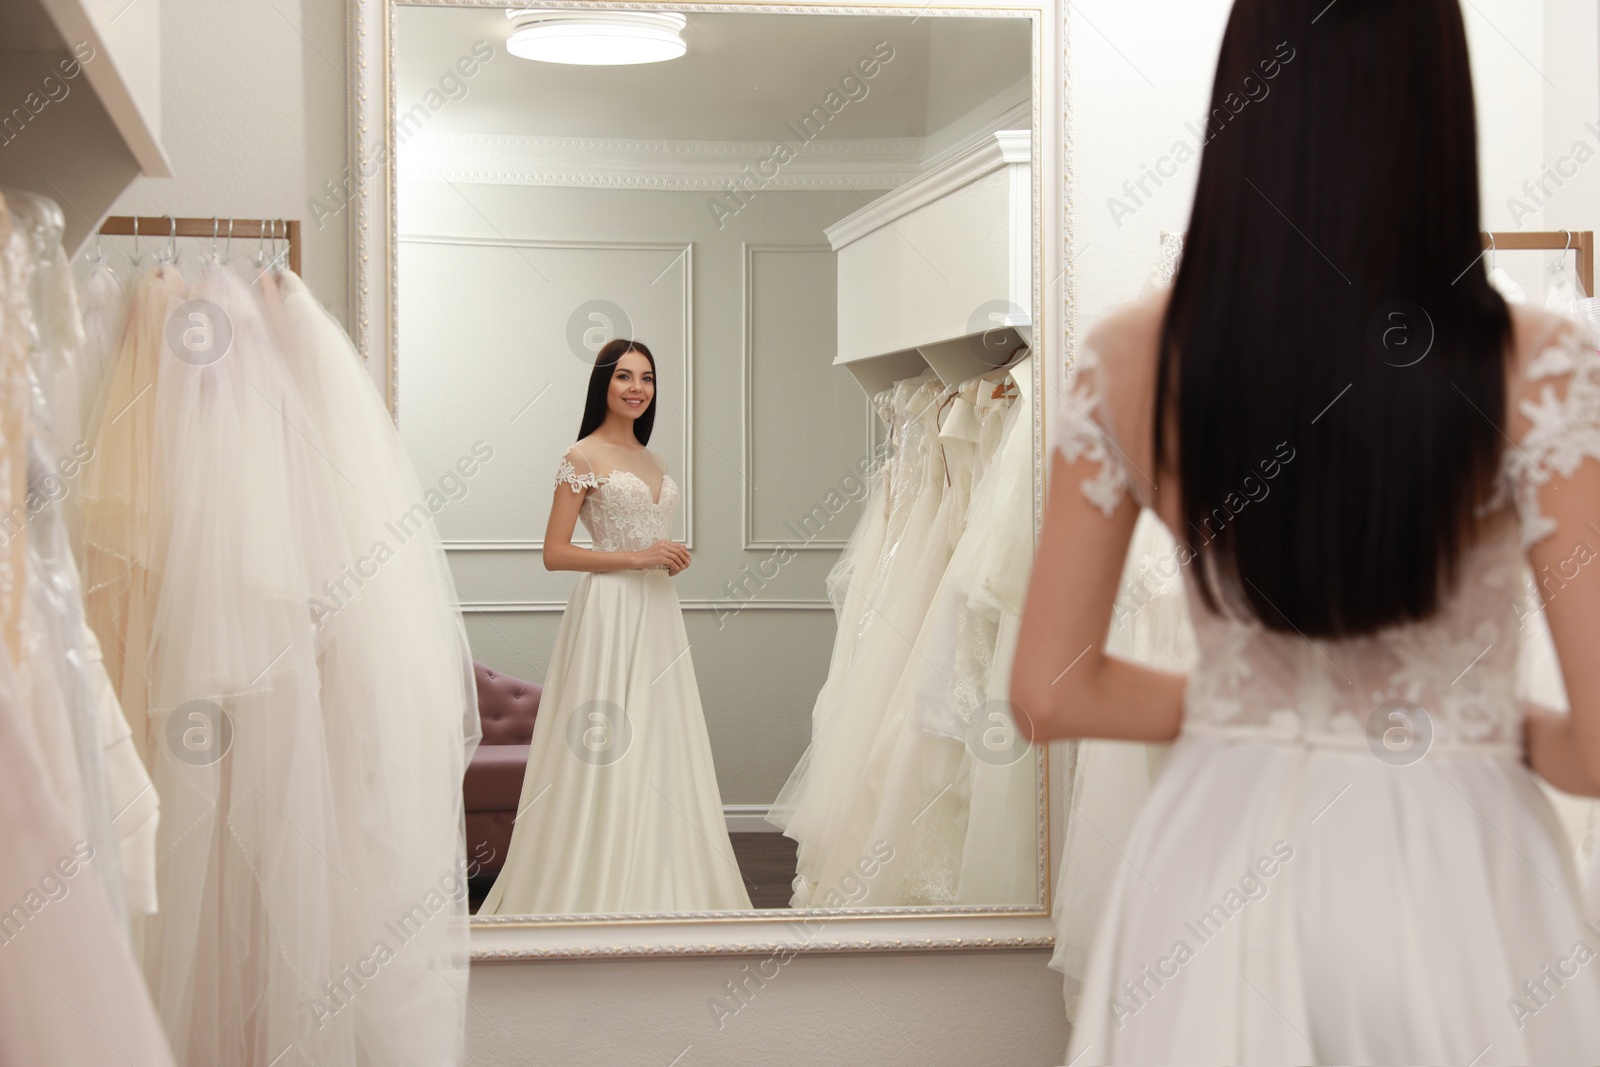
point(161, 227)
point(1580, 241)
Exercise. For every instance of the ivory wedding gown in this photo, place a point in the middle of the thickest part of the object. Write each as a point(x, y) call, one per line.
point(817, 805)
point(945, 783)
point(1295, 893)
point(620, 811)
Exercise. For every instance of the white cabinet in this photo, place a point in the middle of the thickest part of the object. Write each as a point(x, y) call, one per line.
point(939, 271)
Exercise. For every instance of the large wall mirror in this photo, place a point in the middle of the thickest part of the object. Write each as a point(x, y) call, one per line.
point(835, 230)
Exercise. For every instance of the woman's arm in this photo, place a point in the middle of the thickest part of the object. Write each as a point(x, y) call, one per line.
point(1063, 684)
point(1564, 748)
point(560, 554)
point(1555, 750)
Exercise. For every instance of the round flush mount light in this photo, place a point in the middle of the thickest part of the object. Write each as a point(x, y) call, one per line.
point(596, 37)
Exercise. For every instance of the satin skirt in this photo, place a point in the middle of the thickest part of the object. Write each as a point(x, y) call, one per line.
point(1286, 903)
point(620, 810)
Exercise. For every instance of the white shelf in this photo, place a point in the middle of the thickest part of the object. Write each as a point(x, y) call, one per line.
point(81, 84)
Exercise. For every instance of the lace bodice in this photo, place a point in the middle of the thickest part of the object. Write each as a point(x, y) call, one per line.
point(630, 506)
point(1448, 680)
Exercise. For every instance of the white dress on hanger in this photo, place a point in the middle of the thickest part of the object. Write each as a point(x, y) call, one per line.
point(257, 902)
point(620, 810)
point(818, 806)
point(947, 785)
point(70, 989)
point(1287, 896)
point(863, 835)
point(281, 631)
point(399, 705)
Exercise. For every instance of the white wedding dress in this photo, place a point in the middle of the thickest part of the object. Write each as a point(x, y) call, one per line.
point(818, 805)
point(70, 988)
point(620, 810)
point(1292, 893)
point(946, 783)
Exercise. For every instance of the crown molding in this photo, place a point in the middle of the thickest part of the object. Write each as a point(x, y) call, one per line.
point(956, 139)
point(983, 156)
point(637, 163)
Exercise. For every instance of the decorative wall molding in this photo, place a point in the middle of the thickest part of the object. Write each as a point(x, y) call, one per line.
point(747, 436)
point(748, 818)
point(684, 252)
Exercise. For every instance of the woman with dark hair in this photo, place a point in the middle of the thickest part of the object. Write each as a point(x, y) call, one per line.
point(1359, 448)
point(620, 810)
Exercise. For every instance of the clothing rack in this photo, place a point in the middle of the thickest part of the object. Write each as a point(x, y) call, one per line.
point(158, 227)
point(1579, 241)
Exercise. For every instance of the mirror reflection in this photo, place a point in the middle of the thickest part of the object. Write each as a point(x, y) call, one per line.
point(714, 331)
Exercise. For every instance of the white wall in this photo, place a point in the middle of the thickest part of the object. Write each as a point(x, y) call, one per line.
point(253, 119)
point(1534, 73)
point(926, 1010)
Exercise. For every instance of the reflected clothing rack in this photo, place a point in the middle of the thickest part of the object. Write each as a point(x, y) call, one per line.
point(1580, 242)
point(161, 227)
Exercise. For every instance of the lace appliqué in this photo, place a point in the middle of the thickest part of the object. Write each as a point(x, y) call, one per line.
point(632, 518)
point(1565, 429)
point(579, 482)
point(1078, 436)
point(1167, 261)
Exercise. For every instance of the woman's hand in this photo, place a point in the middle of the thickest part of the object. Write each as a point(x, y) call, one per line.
point(669, 554)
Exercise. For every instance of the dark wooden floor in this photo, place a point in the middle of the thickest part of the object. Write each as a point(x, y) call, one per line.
point(766, 860)
point(767, 863)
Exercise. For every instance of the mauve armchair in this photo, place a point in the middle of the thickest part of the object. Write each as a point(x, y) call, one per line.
point(507, 707)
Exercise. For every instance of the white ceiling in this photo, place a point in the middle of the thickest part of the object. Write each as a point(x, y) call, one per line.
point(743, 78)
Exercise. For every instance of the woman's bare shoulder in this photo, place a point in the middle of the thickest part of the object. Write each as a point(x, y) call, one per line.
point(1130, 331)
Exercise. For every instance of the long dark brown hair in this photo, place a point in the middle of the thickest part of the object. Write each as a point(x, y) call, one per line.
point(1334, 240)
point(605, 365)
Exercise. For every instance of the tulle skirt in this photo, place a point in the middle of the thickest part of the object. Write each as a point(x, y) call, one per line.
point(1294, 904)
point(309, 703)
point(620, 810)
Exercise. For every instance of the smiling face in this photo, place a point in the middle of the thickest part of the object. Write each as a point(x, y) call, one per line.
point(633, 385)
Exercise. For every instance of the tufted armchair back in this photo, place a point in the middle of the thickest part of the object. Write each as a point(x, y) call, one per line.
point(507, 707)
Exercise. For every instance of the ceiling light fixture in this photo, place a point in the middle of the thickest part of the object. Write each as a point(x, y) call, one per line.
point(596, 37)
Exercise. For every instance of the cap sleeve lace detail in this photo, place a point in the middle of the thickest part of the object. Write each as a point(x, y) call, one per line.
point(1564, 425)
point(576, 472)
point(1079, 436)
